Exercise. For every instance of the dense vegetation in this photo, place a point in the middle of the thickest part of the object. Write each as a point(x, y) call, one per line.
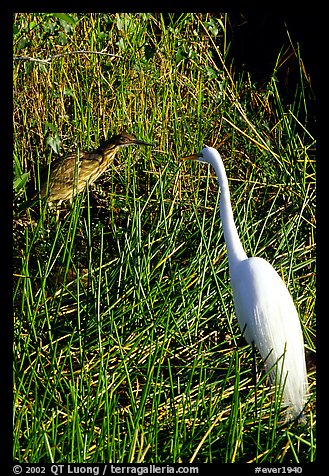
point(127, 348)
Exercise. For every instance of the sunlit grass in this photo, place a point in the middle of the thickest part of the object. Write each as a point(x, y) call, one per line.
point(127, 348)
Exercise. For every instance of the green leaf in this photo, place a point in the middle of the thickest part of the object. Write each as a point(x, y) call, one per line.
point(65, 17)
point(20, 182)
point(212, 26)
point(121, 44)
point(211, 73)
point(68, 92)
point(50, 126)
point(54, 141)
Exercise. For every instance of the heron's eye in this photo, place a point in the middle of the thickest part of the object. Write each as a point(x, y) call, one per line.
point(200, 155)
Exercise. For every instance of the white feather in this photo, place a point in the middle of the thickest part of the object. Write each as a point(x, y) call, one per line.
point(268, 318)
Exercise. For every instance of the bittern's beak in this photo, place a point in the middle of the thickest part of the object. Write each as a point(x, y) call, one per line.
point(191, 157)
point(140, 142)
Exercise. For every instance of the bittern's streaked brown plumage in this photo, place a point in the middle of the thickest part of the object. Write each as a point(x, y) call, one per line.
point(70, 175)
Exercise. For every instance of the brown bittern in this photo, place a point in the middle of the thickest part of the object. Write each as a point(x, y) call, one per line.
point(69, 176)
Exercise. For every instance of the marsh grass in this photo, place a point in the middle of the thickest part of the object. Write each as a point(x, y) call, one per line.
point(126, 345)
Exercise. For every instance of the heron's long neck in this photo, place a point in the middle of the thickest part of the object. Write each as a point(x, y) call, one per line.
point(234, 246)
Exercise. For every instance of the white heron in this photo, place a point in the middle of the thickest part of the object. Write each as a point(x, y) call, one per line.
point(263, 305)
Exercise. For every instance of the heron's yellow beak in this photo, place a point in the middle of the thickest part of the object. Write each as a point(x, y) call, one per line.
point(191, 157)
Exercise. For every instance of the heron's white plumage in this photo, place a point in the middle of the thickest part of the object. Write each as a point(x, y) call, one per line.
point(264, 308)
point(268, 318)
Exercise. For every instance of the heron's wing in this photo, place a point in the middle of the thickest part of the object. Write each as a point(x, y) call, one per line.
point(267, 314)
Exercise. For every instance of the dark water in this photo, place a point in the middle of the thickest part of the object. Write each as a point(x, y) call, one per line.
point(256, 41)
